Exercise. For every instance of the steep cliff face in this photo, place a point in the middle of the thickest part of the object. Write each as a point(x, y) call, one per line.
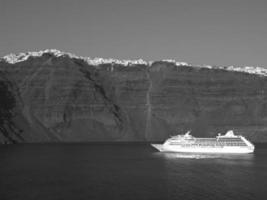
point(58, 97)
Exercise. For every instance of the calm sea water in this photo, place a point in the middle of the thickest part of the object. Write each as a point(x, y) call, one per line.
point(132, 171)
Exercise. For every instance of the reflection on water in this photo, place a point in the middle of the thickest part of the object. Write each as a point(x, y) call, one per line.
point(170, 155)
point(209, 176)
point(224, 159)
point(186, 155)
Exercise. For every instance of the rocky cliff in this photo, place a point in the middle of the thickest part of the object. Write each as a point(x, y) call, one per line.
point(51, 96)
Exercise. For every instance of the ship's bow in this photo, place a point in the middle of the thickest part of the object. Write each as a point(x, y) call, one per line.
point(158, 146)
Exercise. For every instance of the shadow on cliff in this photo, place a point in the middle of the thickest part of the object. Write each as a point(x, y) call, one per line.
point(14, 127)
point(10, 133)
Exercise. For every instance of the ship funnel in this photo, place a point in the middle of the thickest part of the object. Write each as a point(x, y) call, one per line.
point(230, 133)
point(187, 133)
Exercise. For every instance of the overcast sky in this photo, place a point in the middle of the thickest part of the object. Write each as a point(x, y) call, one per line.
point(216, 32)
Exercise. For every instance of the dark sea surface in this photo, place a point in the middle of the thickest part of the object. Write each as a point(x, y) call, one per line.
point(127, 171)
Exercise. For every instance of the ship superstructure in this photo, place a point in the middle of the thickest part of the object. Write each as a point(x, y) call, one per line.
point(228, 143)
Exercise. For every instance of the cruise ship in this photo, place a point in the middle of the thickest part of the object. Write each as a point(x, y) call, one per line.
point(228, 143)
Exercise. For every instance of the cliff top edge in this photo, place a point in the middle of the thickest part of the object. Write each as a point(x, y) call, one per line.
point(16, 58)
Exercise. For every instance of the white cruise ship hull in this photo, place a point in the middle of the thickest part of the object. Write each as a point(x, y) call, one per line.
point(209, 150)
